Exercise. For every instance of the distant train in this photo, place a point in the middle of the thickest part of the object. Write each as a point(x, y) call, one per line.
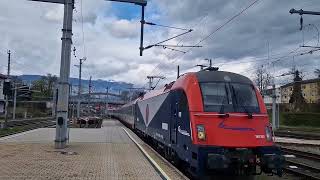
point(211, 122)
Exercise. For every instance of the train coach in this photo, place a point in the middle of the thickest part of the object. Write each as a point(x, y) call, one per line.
point(211, 122)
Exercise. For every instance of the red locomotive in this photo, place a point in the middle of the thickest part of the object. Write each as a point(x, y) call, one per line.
point(211, 122)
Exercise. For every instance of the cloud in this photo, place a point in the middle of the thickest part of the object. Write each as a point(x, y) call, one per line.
point(123, 28)
point(32, 31)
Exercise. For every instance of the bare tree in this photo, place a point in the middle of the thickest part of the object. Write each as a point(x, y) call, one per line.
point(262, 79)
point(124, 96)
point(317, 72)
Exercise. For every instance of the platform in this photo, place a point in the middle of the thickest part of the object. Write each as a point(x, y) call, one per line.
point(105, 153)
point(297, 141)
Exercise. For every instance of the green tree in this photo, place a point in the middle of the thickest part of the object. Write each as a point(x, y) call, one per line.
point(43, 88)
point(297, 100)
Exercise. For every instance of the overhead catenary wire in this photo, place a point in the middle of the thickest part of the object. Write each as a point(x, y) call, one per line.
point(227, 22)
point(219, 28)
point(180, 41)
point(170, 27)
point(269, 63)
point(192, 27)
point(159, 43)
point(224, 24)
point(165, 47)
point(271, 57)
point(276, 59)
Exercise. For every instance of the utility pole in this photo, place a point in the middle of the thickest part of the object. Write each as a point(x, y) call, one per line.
point(143, 4)
point(7, 96)
point(81, 61)
point(261, 82)
point(274, 99)
point(72, 99)
point(178, 72)
point(63, 88)
point(14, 103)
point(278, 116)
point(16, 88)
point(151, 78)
point(107, 101)
point(9, 63)
point(210, 62)
point(54, 102)
point(90, 88)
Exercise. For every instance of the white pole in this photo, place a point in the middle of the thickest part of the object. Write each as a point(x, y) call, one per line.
point(274, 98)
point(63, 88)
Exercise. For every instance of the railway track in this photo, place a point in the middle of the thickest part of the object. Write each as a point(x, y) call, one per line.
point(298, 135)
point(22, 125)
point(305, 164)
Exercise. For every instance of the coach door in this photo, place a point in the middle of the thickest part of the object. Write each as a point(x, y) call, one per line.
point(174, 119)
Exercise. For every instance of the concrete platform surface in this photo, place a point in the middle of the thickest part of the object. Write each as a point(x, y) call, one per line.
point(111, 132)
point(106, 153)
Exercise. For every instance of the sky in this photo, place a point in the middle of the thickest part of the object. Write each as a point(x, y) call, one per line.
point(262, 34)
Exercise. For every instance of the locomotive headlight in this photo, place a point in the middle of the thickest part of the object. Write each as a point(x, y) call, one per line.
point(201, 132)
point(268, 133)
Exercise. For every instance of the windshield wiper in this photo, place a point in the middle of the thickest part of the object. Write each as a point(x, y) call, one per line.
point(221, 111)
point(235, 95)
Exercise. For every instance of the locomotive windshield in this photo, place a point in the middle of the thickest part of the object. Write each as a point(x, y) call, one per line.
point(229, 97)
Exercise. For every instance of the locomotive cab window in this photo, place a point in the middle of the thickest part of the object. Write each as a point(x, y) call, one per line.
point(229, 97)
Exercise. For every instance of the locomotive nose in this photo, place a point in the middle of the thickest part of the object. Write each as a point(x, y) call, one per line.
point(235, 130)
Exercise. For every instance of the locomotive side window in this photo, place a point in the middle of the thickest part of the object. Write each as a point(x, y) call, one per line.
point(229, 97)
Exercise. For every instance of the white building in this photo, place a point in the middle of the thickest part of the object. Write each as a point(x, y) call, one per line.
point(268, 96)
point(2, 101)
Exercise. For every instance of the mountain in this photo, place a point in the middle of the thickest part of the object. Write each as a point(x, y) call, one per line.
point(97, 85)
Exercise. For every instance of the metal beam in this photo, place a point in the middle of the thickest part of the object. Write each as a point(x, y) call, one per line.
point(301, 12)
point(50, 1)
point(100, 93)
point(137, 2)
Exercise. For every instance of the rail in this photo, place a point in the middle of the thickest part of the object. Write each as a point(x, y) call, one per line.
point(22, 125)
point(302, 165)
point(298, 135)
